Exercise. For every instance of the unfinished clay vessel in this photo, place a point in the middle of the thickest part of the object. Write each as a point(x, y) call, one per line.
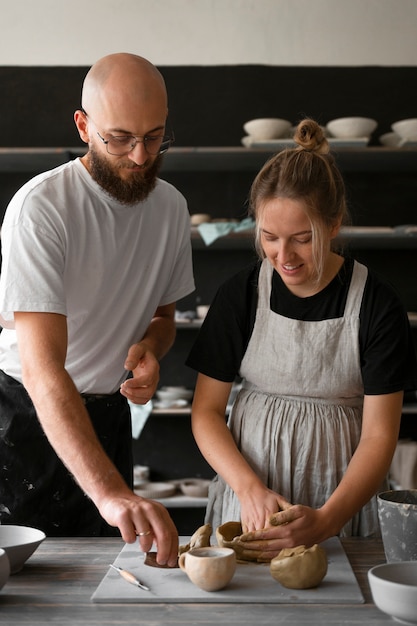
point(228, 536)
point(300, 567)
point(200, 539)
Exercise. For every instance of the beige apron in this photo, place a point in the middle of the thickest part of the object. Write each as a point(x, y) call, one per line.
point(298, 417)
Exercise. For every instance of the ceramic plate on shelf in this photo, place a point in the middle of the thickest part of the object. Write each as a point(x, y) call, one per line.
point(173, 404)
point(155, 490)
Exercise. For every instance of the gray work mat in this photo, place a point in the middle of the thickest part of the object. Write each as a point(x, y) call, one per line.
point(252, 583)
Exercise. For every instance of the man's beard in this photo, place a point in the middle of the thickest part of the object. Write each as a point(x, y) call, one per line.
point(136, 189)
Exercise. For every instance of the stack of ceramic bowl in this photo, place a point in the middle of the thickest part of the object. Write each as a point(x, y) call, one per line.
point(351, 128)
point(140, 475)
point(404, 132)
point(173, 397)
point(265, 129)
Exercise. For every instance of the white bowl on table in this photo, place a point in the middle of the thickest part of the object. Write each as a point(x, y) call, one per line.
point(19, 543)
point(4, 568)
point(351, 127)
point(267, 128)
point(394, 590)
point(406, 129)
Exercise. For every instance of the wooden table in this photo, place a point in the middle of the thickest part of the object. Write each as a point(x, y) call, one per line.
point(57, 582)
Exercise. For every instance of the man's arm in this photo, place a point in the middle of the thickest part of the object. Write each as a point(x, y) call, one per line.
point(143, 357)
point(42, 340)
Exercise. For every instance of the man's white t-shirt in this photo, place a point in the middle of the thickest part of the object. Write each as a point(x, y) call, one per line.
point(70, 248)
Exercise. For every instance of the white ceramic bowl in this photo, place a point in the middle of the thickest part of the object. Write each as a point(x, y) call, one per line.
point(394, 590)
point(202, 310)
point(155, 490)
point(391, 140)
point(195, 487)
point(351, 127)
point(200, 218)
point(172, 394)
point(19, 543)
point(406, 129)
point(4, 568)
point(267, 128)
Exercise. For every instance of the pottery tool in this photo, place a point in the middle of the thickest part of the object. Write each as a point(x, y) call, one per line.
point(130, 578)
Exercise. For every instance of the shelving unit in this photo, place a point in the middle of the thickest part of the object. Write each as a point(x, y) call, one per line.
point(354, 236)
point(210, 178)
point(228, 159)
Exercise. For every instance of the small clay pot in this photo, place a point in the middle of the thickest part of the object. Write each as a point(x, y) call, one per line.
point(210, 568)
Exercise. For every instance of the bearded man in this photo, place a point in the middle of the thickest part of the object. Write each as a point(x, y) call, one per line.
point(95, 255)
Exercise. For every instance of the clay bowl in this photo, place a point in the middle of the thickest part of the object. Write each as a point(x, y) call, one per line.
point(406, 129)
point(195, 487)
point(394, 590)
point(228, 536)
point(4, 568)
point(267, 128)
point(351, 127)
point(19, 543)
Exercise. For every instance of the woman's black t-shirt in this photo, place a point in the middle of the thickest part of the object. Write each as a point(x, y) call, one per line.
point(388, 360)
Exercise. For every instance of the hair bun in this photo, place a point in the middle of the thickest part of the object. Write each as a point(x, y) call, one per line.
point(310, 136)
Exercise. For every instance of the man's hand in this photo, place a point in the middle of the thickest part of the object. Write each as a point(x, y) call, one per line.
point(146, 519)
point(145, 369)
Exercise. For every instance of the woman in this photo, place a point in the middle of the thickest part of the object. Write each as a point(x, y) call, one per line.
point(324, 349)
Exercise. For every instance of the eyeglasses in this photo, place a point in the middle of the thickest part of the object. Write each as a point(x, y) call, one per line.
point(123, 144)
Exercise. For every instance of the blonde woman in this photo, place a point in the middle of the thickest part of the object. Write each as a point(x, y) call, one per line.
point(324, 350)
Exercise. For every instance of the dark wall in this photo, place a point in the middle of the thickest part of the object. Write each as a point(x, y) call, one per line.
point(209, 104)
point(208, 107)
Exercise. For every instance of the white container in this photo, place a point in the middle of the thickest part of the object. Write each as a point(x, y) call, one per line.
point(267, 128)
point(351, 127)
point(391, 140)
point(19, 543)
point(200, 218)
point(394, 590)
point(172, 394)
point(4, 568)
point(397, 512)
point(406, 129)
point(202, 310)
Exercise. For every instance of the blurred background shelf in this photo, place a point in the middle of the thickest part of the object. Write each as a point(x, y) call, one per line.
point(228, 159)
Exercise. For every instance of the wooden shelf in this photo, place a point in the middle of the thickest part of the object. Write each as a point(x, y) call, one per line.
point(353, 237)
point(183, 502)
point(409, 409)
point(172, 411)
point(188, 324)
point(231, 159)
point(227, 159)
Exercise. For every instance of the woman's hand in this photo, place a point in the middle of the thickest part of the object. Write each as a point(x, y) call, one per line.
point(293, 526)
point(257, 506)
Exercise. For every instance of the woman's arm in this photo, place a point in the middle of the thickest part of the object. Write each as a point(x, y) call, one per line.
point(217, 445)
point(366, 471)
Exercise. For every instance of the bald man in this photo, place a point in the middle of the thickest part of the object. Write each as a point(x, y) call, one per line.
point(95, 254)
